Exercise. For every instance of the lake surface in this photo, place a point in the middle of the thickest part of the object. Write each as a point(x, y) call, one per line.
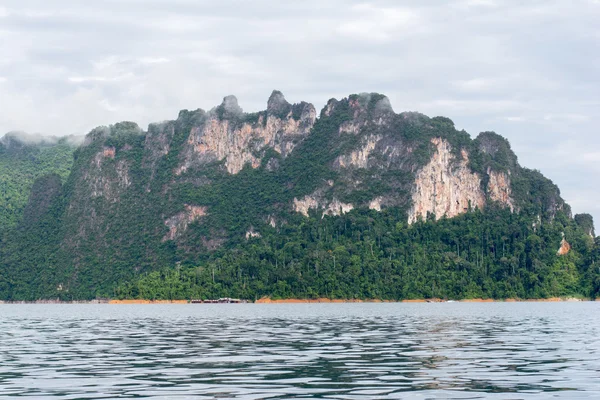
point(276, 351)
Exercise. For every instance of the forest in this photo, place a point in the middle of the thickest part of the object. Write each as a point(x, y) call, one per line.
point(371, 255)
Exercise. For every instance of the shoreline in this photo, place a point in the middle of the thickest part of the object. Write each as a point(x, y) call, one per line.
point(267, 300)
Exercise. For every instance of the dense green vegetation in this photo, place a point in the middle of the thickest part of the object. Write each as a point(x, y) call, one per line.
point(20, 165)
point(102, 231)
point(365, 255)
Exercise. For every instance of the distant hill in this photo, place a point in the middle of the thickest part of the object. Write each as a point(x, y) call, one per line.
point(22, 161)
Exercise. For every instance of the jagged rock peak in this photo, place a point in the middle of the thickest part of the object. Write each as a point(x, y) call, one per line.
point(98, 133)
point(125, 128)
point(497, 148)
point(277, 103)
point(373, 101)
point(229, 107)
point(120, 129)
point(384, 104)
point(586, 222)
point(329, 107)
point(363, 104)
point(490, 142)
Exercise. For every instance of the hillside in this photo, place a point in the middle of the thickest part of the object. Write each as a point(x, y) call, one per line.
point(21, 163)
point(357, 202)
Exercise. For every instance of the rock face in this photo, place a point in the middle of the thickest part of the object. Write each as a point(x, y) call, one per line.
point(108, 178)
point(564, 249)
point(359, 158)
point(375, 204)
point(445, 186)
point(178, 223)
point(333, 207)
point(225, 136)
point(448, 187)
point(251, 233)
point(157, 144)
point(499, 188)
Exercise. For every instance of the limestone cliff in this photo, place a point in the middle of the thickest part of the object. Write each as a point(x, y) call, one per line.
point(108, 178)
point(448, 187)
point(359, 158)
point(378, 150)
point(333, 207)
point(444, 187)
point(225, 134)
point(499, 188)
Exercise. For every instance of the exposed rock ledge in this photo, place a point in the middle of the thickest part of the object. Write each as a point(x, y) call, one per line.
point(564, 249)
point(178, 223)
point(219, 139)
point(359, 158)
point(499, 188)
point(335, 207)
point(447, 187)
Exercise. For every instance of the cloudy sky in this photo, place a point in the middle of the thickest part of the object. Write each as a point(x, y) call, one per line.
point(529, 70)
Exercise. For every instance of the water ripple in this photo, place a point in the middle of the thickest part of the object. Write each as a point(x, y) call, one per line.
point(333, 351)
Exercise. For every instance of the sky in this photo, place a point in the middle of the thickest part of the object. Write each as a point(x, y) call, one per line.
point(528, 70)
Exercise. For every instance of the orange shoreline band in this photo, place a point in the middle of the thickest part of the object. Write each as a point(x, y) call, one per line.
point(267, 300)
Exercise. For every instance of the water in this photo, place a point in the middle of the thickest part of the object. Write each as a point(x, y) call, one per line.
point(275, 351)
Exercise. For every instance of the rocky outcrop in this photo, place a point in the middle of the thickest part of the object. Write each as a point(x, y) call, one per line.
point(359, 158)
point(499, 189)
point(303, 205)
point(448, 187)
point(445, 186)
point(564, 249)
point(178, 223)
point(157, 144)
point(105, 179)
point(251, 233)
point(109, 152)
point(375, 204)
point(333, 207)
point(226, 134)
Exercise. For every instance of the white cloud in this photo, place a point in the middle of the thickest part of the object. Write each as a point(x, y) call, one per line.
point(476, 106)
point(574, 118)
point(153, 60)
point(477, 3)
point(593, 157)
point(370, 22)
point(83, 79)
point(514, 119)
point(474, 85)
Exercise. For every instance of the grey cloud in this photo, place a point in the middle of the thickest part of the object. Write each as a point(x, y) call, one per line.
point(527, 70)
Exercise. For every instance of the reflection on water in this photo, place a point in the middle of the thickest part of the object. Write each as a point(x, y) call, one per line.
point(338, 351)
